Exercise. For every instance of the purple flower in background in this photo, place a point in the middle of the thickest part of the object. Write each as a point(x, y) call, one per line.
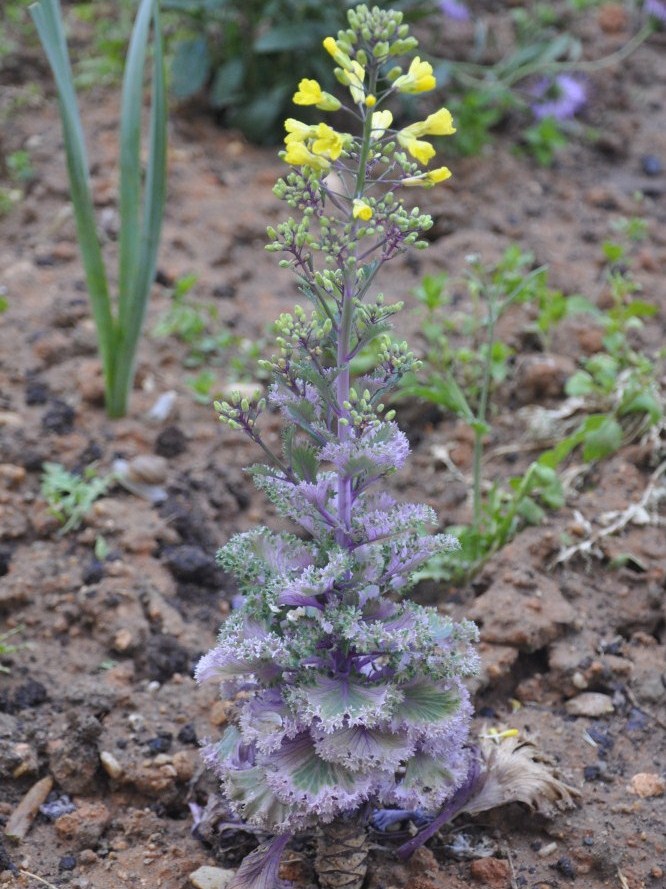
point(560, 97)
point(454, 9)
point(657, 9)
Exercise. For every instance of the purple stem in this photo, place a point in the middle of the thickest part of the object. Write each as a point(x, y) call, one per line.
point(450, 810)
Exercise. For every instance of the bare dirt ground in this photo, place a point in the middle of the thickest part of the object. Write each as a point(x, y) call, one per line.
point(99, 699)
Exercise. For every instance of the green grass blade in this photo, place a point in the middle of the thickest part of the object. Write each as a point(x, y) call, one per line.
point(47, 17)
point(130, 161)
point(136, 284)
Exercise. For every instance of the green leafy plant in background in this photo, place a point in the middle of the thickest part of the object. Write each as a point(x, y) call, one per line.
point(461, 380)
point(615, 394)
point(70, 495)
point(118, 322)
point(242, 54)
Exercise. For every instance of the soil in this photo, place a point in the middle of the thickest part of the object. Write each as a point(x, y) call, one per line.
point(99, 697)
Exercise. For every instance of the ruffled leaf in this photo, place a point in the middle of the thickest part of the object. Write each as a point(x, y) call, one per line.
point(345, 701)
point(426, 703)
point(253, 799)
point(361, 748)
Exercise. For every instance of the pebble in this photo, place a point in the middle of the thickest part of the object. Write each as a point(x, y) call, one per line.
point(652, 165)
point(111, 765)
point(566, 867)
point(591, 703)
point(211, 878)
point(170, 442)
point(67, 862)
point(144, 476)
point(647, 784)
point(58, 417)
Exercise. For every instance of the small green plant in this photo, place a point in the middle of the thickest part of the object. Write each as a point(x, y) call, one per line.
point(7, 648)
point(118, 324)
point(461, 380)
point(110, 34)
point(71, 495)
point(543, 140)
point(196, 326)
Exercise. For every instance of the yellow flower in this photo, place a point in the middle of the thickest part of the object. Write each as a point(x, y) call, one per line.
point(328, 142)
point(370, 101)
point(356, 77)
point(298, 155)
point(438, 124)
point(310, 93)
point(361, 210)
point(381, 121)
point(419, 78)
point(297, 131)
point(341, 58)
point(422, 151)
point(427, 180)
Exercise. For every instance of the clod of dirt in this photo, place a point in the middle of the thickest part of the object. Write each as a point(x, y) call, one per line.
point(527, 612)
point(58, 417)
point(74, 757)
point(93, 572)
point(161, 657)
point(493, 872)
point(30, 694)
point(540, 377)
point(171, 442)
point(82, 828)
point(193, 565)
point(36, 392)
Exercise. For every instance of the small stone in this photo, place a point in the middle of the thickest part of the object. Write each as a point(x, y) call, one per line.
point(187, 735)
point(211, 878)
point(491, 872)
point(612, 18)
point(647, 784)
point(592, 773)
point(11, 476)
point(192, 564)
point(160, 744)
point(67, 862)
point(591, 703)
point(566, 867)
point(111, 765)
point(652, 165)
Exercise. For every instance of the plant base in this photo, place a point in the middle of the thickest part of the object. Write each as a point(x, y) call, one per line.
point(342, 855)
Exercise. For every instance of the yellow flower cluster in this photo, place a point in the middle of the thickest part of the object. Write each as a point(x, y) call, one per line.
point(438, 124)
point(317, 146)
point(314, 146)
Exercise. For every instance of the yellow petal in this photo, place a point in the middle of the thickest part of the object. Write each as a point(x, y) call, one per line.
point(439, 124)
point(361, 210)
point(309, 93)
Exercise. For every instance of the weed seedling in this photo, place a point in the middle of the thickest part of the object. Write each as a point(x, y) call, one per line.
point(70, 496)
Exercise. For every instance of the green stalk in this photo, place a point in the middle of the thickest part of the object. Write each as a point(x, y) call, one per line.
point(480, 424)
point(343, 383)
point(47, 17)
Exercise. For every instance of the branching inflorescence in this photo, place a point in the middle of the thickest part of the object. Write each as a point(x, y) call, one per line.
point(351, 696)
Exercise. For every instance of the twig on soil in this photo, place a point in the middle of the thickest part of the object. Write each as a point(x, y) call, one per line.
point(514, 881)
point(623, 880)
point(26, 873)
point(635, 512)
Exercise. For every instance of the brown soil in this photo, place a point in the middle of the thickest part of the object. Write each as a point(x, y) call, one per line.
point(100, 696)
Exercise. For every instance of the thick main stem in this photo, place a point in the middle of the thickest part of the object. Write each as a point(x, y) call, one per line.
point(344, 351)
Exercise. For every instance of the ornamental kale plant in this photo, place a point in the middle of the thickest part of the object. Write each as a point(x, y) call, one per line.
point(349, 698)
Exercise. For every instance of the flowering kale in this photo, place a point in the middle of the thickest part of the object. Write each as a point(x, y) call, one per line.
point(560, 97)
point(347, 696)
